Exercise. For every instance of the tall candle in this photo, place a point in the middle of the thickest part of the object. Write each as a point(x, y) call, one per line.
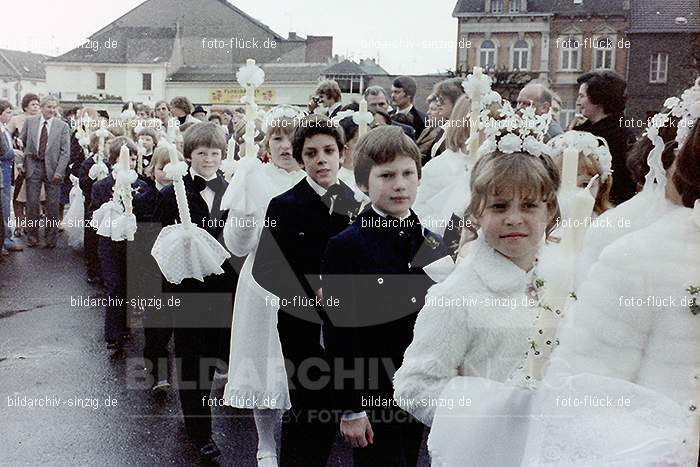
point(474, 116)
point(231, 148)
point(124, 157)
point(569, 169)
point(363, 124)
point(250, 110)
point(180, 196)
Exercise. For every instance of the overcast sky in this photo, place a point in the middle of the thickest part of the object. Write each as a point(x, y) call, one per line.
point(408, 37)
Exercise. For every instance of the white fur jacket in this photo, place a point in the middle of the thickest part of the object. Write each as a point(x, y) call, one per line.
point(633, 319)
point(475, 323)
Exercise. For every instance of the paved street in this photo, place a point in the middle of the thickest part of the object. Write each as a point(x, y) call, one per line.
point(96, 409)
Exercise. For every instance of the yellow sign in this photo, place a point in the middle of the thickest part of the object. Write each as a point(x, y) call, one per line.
point(233, 95)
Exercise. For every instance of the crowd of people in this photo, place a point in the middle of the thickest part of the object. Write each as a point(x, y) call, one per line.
point(377, 274)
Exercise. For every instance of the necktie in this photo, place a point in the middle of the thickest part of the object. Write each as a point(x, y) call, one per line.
point(43, 139)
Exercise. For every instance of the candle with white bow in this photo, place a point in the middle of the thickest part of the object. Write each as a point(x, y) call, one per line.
point(474, 115)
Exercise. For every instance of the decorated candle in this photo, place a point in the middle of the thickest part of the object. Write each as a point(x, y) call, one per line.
point(179, 186)
point(231, 148)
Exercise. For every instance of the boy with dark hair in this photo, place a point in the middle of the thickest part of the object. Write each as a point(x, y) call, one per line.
point(298, 225)
point(374, 272)
point(202, 323)
point(148, 138)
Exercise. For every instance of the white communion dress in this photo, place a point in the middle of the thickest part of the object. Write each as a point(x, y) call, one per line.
point(621, 386)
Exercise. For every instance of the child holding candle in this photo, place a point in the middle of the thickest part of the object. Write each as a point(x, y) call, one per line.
point(92, 262)
point(253, 334)
point(202, 321)
point(112, 254)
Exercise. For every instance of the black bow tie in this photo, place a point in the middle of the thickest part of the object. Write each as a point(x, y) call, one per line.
point(200, 184)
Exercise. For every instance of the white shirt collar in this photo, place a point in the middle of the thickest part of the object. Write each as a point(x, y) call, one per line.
point(404, 111)
point(315, 186)
point(193, 174)
point(383, 214)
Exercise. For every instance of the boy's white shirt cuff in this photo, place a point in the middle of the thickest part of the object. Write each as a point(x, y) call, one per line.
point(348, 417)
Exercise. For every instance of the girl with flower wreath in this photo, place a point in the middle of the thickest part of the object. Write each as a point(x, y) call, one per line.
point(622, 387)
point(476, 322)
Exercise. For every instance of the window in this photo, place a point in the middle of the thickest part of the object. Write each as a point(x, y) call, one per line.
point(658, 68)
point(146, 81)
point(348, 83)
point(570, 54)
point(100, 80)
point(5, 93)
point(604, 58)
point(487, 54)
point(496, 6)
point(515, 6)
point(520, 55)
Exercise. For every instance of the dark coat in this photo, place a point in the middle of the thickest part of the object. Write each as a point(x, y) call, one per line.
point(374, 286)
point(86, 183)
point(418, 120)
point(619, 140)
point(297, 228)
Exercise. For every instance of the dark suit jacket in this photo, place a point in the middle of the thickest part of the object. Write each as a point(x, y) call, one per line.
point(288, 258)
point(376, 275)
point(418, 120)
point(102, 192)
point(86, 183)
point(619, 140)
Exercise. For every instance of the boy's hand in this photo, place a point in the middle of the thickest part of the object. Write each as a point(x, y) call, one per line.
point(357, 432)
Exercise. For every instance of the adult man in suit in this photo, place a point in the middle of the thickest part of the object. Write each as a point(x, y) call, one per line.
point(46, 141)
point(403, 90)
point(378, 99)
point(298, 225)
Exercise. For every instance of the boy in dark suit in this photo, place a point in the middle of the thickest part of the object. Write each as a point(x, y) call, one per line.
point(373, 271)
point(111, 254)
point(297, 227)
point(202, 323)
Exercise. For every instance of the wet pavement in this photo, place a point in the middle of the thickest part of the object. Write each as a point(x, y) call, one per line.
point(95, 408)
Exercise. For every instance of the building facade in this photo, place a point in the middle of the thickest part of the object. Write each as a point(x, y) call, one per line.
point(665, 54)
point(553, 41)
point(21, 73)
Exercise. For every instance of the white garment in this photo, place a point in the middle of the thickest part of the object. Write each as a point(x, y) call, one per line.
point(474, 323)
point(644, 359)
point(257, 377)
point(444, 190)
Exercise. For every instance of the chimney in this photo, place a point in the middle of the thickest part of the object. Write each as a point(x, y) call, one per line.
point(293, 36)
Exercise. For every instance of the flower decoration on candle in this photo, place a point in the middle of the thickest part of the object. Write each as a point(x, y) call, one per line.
point(115, 219)
point(687, 108)
point(588, 144)
point(362, 118)
point(250, 76)
point(99, 170)
point(185, 250)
